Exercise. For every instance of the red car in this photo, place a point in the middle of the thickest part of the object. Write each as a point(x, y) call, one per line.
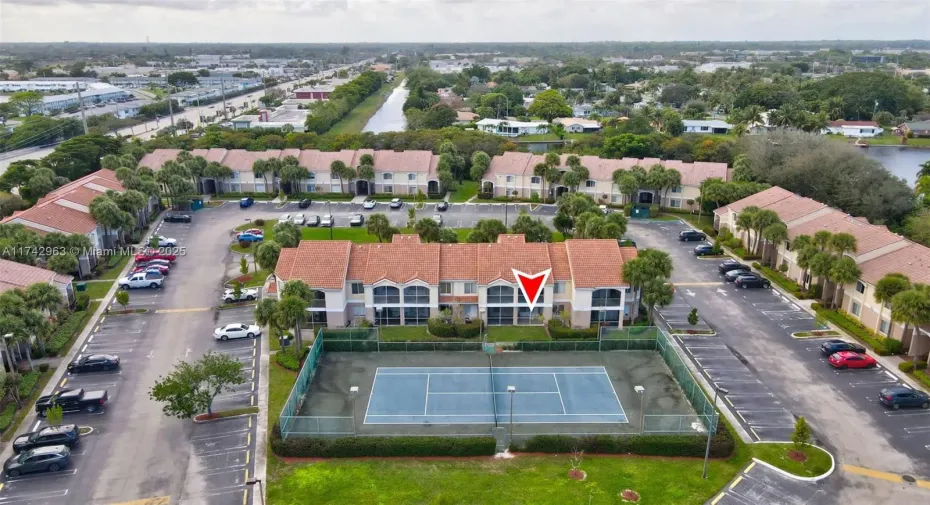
point(162, 269)
point(849, 359)
point(151, 254)
point(252, 231)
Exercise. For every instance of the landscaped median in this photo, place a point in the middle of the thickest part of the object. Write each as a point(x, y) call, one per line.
point(806, 462)
point(225, 414)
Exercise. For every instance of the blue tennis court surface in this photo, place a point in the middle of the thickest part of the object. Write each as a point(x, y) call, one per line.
point(453, 395)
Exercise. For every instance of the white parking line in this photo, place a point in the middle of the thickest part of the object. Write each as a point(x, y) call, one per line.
point(43, 476)
point(32, 496)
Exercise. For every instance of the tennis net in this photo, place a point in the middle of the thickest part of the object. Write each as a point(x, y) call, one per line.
point(493, 396)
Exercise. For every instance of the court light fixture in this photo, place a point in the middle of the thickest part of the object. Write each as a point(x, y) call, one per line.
point(639, 389)
point(511, 389)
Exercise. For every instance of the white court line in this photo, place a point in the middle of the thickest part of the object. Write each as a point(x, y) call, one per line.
point(498, 393)
point(372, 394)
point(559, 390)
point(426, 401)
point(402, 374)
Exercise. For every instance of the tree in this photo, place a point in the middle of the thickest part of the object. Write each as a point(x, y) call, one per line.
point(626, 183)
point(912, 307)
point(649, 272)
point(26, 102)
point(267, 254)
point(549, 104)
point(447, 236)
point(294, 309)
point(65, 263)
point(182, 79)
point(820, 265)
point(486, 231)
point(54, 415)
point(693, 318)
point(191, 387)
point(122, 298)
point(338, 170)
point(480, 161)
point(742, 170)
point(762, 219)
point(287, 234)
point(427, 229)
point(185, 124)
point(43, 297)
point(438, 116)
point(802, 434)
point(243, 265)
point(656, 292)
point(266, 314)
point(214, 170)
point(533, 230)
point(842, 272)
point(106, 213)
point(11, 382)
point(773, 234)
point(379, 225)
point(885, 290)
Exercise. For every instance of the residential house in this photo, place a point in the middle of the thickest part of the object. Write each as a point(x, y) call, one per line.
point(465, 117)
point(15, 275)
point(507, 128)
point(582, 110)
point(707, 126)
point(878, 252)
point(917, 128)
point(406, 282)
point(578, 125)
point(857, 129)
point(511, 174)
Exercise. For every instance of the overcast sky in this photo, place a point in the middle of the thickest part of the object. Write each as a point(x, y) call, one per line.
point(459, 20)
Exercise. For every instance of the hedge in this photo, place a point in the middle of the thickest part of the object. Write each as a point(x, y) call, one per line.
point(6, 417)
point(922, 377)
point(28, 384)
point(353, 447)
point(558, 331)
point(439, 327)
point(288, 358)
point(883, 346)
point(721, 445)
point(787, 284)
point(65, 332)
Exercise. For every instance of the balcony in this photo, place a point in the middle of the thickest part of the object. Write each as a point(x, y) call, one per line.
point(387, 300)
point(606, 302)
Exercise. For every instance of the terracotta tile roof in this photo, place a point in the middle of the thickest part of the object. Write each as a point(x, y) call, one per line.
point(458, 262)
point(595, 263)
point(912, 261)
point(403, 161)
point(50, 214)
point(216, 154)
point(81, 196)
point(509, 163)
point(322, 264)
point(320, 161)
point(869, 237)
point(794, 207)
point(410, 238)
point(602, 169)
point(402, 263)
point(241, 161)
point(506, 238)
point(760, 199)
point(158, 157)
point(434, 165)
point(495, 261)
point(358, 262)
point(101, 180)
point(458, 299)
point(17, 275)
point(290, 152)
point(628, 254)
point(558, 258)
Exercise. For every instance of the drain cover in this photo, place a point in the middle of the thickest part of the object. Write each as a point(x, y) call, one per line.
point(908, 478)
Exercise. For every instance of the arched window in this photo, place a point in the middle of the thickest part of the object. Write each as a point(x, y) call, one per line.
point(606, 298)
point(418, 295)
point(386, 294)
point(500, 294)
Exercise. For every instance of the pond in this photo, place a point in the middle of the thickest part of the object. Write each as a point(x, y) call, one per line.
point(901, 161)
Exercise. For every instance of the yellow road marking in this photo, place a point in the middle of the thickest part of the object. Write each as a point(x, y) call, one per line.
point(63, 382)
point(735, 482)
point(158, 500)
point(245, 496)
point(748, 468)
point(877, 474)
point(247, 453)
point(250, 422)
point(248, 440)
point(718, 498)
point(246, 476)
point(182, 311)
point(253, 374)
point(102, 319)
point(1, 486)
point(97, 328)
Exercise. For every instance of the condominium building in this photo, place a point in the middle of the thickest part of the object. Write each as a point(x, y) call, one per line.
point(511, 174)
point(406, 282)
point(878, 252)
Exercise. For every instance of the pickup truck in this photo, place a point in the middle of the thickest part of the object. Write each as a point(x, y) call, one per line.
point(73, 400)
point(144, 279)
point(249, 294)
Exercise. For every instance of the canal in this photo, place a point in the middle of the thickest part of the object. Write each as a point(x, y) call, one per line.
point(901, 161)
point(390, 117)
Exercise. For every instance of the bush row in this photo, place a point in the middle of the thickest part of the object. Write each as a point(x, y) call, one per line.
point(287, 357)
point(923, 377)
point(721, 445)
point(28, 383)
point(908, 366)
point(558, 331)
point(351, 447)
point(65, 332)
point(6, 417)
point(883, 346)
point(439, 327)
point(786, 283)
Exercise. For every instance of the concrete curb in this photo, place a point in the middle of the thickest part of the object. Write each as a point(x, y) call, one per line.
point(798, 477)
point(261, 428)
point(207, 421)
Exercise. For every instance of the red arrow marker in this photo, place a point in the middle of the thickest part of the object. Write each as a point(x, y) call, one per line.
point(531, 284)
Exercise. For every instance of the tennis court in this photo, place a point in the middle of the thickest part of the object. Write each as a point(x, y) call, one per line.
point(480, 395)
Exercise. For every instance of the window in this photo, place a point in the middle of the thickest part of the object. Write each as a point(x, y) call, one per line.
point(558, 308)
point(311, 187)
point(856, 308)
point(386, 294)
point(311, 177)
point(860, 287)
point(418, 295)
point(445, 288)
point(883, 326)
point(388, 177)
point(541, 299)
point(590, 183)
point(500, 294)
point(260, 187)
point(416, 316)
point(358, 288)
point(388, 188)
point(606, 298)
point(535, 180)
point(676, 189)
point(524, 316)
point(675, 203)
point(411, 177)
point(509, 178)
point(471, 288)
point(615, 198)
point(558, 288)
point(334, 176)
point(500, 316)
point(704, 128)
point(387, 316)
point(235, 176)
point(605, 318)
point(788, 245)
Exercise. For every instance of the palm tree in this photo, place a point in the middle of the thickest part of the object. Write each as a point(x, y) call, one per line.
point(379, 226)
point(266, 314)
point(744, 222)
point(912, 307)
point(43, 297)
point(539, 170)
point(886, 288)
point(338, 169)
point(296, 296)
point(773, 234)
point(843, 272)
point(558, 129)
point(656, 292)
point(218, 172)
point(762, 219)
point(107, 214)
point(822, 239)
point(842, 243)
point(627, 184)
point(366, 172)
point(259, 168)
point(821, 265)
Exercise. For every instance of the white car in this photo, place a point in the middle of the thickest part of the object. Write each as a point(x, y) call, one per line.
point(327, 221)
point(299, 220)
point(604, 209)
point(249, 294)
point(369, 204)
point(438, 219)
point(142, 280)
point(237, 330)
point(164, 241)
point(396, 203)
point(285, 218)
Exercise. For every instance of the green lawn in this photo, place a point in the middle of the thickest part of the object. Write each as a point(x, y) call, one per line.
point(97, 290)
point(524, 480)
point(552, 136)
point(467, 189)
point(516, 333)
point(405, 333)
point(818, 462)
point(113, 273)
point(358, 117)
point(694, 219)
point(252, 279)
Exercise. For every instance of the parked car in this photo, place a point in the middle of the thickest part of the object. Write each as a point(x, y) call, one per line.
point(836, 345)
point(704, 250)
point(691, 235)
point(313, 221)
point(304, 203)
point(299, 220)
point(152, 254)
point(249, 237)
point(177, 218)
point(160, 269)
point(732, 275)
point(625, 242)
point(285, 218)
point(237, 330)
point(396, 203)
point(730, 264)
point(438, 219)
point(145, 279)
point(604, 209)
point(369, 204)
point(249, 294)
point(253, 231)
point(442, 206)
point(752, 281)
point(900, 396)
point(327, 221)
point(164, 241)
point(94, 363)
point(357, 220)
point(65, 434)
point(849, 359)
point(246, 202)
point(153, 262)
point(41, 459)
point(73, 400)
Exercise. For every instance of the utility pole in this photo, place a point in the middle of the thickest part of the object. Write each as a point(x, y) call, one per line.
point(81, 106)
point(223, 89)
point(170, 110)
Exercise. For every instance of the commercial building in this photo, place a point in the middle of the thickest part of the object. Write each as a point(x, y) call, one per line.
point(320, 91)
point(94, 94)
point(43, 86)
point(878, 252)
point(286, 116)
point(406, 282)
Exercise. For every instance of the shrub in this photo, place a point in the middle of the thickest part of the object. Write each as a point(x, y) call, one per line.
point(709, 231)
point(65, 332)
point(922, 377)
point(6, 417)
point(349, 447)
point(439, 327)
point(485, 196)
point(721, 444)
point(906, 366)
point(82, 301)
point(287, 360)
point(883, 346)
point(37, 351)
point(893, 346)
point(921, 365)
point(558, 331)
point(259, 222)
point(28, 384)
point(245, 244)
point(43, 367)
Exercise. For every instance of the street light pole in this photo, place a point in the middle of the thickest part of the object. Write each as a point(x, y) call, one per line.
point(642, 412)
point(511, 390)
point(353, 392)
point(710, 429)
point(261, 487)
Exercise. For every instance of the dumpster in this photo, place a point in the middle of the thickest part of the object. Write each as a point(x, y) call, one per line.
point(197, 204)
point(640, 212)
point(81, 286)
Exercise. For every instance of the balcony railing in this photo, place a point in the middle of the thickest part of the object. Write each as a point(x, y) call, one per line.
point(606, 302)
point(383, 300)
point(417, 300)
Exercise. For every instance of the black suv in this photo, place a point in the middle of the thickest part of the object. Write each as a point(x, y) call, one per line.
point(728, 265)
point(704, 250)
point(304, 203)
point(836, 345)
point(690, 236)
point(66, 434)
point(177, 218)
